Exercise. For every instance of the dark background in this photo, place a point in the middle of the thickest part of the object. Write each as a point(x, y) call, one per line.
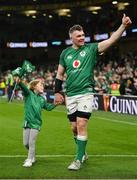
point(16, 25)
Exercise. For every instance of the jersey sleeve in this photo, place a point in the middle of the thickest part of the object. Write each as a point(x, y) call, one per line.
point(94, 47)
point(46, 105)
point(24, 88)
point(94, 51)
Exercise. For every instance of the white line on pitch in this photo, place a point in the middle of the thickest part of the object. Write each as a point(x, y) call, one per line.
point(107, 119)
point(118, 121)
point(70, 155)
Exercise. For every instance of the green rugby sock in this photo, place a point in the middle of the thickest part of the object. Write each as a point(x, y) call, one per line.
point(81, 146)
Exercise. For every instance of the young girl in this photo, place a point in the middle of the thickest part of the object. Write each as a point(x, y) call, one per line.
point(34, 103)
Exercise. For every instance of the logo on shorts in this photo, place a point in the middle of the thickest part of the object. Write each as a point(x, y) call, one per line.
point(85, 107)
point(76, 63)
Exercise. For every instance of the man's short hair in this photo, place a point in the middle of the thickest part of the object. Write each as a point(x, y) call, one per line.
point(76, 27)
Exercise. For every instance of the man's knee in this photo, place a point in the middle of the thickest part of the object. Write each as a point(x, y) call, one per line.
point(81, 124)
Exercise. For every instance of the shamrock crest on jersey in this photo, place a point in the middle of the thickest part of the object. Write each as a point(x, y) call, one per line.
point(82, 53)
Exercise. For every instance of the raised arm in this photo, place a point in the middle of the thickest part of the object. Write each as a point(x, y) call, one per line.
point(104, 45)
point(58, 85)
point(24, 88)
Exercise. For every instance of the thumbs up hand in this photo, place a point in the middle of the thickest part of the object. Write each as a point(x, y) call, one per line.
point(126, 21)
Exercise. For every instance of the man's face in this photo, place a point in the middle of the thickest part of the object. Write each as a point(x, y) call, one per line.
point(78, 38)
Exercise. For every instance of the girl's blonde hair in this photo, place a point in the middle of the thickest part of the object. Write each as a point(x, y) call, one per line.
point(33, 84)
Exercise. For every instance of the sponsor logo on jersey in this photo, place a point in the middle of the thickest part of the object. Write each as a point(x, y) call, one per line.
point(76, 63)
point(69, 56)
point(82, 53)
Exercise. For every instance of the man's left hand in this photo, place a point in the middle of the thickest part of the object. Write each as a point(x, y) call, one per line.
point(126, 21)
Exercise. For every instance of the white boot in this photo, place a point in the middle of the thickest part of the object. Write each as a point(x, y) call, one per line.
point(75, 165)
point(27, 163)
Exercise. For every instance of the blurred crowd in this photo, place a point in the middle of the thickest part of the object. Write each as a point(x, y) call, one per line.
point(116, 77)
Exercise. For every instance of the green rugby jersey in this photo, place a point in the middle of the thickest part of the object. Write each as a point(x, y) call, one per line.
point(79, 66)
point(34, 103)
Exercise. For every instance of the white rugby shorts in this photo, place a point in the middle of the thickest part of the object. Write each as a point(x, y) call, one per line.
point(81, 103)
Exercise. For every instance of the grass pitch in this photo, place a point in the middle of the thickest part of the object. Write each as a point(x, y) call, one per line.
point(112, 146)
